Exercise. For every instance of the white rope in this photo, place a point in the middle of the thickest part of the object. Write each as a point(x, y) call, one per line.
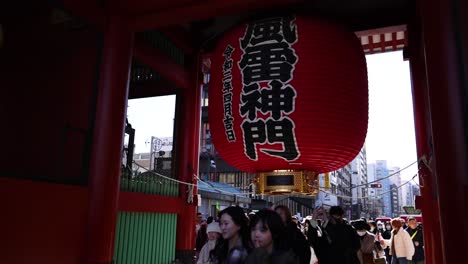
point(423, 159)
point(190, 194)
point(165, 177)
point(426, 162)
point(193, 184)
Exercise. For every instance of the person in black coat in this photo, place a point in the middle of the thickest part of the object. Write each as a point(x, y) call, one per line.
point(202, 237)
point(297, 240)
point(416, 235)
point(340, 242)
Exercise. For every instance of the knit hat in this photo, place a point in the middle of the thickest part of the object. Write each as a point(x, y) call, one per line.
point(213, 227)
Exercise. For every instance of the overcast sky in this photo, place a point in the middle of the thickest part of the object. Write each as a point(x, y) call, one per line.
point(391, 127)
point(390, 133)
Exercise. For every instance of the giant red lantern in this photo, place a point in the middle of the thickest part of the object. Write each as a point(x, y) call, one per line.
point(288, 93)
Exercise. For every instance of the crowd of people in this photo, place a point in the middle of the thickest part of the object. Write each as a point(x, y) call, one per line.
point(275, 236)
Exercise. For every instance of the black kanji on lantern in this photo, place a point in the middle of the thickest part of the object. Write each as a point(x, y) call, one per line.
point(271, 131)
point(227, 94)
point(276, 100)
point(278, 29)
point(272, 61)
point(267, 50)
point(254, 132)
point(250, 104)
point(267, 65)
point(282, 131)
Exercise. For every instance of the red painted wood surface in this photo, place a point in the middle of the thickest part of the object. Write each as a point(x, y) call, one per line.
point(48, 75)
point(442, 33)
point(423, 132)
point(162, 64)
point(42, 223)
point(187, 133)
point(107, 144)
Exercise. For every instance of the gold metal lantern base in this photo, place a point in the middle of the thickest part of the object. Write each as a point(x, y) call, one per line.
point(287, 181)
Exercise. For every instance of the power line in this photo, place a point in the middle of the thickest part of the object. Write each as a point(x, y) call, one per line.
point(369, 196)
point(386, 177)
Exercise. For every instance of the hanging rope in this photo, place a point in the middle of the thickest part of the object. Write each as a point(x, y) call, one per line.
point(422, 160)
point(191, 185)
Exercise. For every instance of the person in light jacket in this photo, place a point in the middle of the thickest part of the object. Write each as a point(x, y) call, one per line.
point(400, 243)
point(214, 233)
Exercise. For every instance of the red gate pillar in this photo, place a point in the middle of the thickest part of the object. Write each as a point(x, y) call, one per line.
point(443, 33)
point(106, 157)
point(428, 203)
point(188, 142)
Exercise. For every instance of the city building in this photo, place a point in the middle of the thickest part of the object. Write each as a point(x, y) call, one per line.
point(327, 197)
point(408, 194)
point(395, 179)
point(381, 172)
point(394, 201)
point(359, 185)
point(343, 188)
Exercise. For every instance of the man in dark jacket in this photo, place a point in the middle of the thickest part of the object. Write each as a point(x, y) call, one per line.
point(416, 235)
point(296, 239)
point(340, 241)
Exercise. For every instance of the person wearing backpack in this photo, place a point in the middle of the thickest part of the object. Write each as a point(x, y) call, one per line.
point(416, 235)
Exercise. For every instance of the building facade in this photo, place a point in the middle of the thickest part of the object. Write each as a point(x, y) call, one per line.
point(381, 172)
point(359, 188)
point(395, 180)
point(343, 190)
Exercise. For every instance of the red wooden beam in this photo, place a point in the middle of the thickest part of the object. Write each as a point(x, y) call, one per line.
point(161, 63)
point(181, 38)
point(372, 46)
point(151, 88)
point(394, 41)
point(381, 30)
point(85, 9)
point(382, 42)
point(371, 43)
point(200, 11)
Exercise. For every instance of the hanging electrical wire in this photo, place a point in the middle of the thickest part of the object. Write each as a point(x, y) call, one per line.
point(386, 177)
point(365, 197)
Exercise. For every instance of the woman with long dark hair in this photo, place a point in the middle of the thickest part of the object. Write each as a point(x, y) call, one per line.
point(268, 236)
point(233, 247)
